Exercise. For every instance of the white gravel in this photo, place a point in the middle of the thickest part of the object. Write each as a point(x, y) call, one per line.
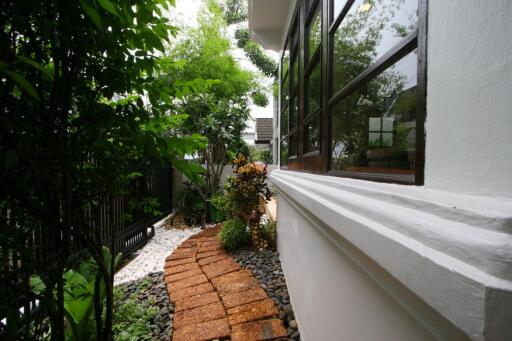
point(151, 257)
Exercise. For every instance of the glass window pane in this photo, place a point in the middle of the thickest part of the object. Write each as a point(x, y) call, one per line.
point(313, 87)
point(294, 68)
point(285, 61)
point(338, 6)
point(294, 111)
point(293, 144)
point(284, 151)
point(284, 122)
point(374, 128)
point(312, 135)
point(284, 91)
point(370, 29)
point(315, 33)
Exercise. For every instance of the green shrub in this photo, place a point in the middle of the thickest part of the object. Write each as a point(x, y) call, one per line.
point(190, 204)
point(234, 234)
point(268, 231)
point(79, 292)
point(219, 208)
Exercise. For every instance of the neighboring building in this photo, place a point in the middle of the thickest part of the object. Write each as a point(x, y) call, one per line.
point(248, 137)
point(264, 132)
point(395, 180)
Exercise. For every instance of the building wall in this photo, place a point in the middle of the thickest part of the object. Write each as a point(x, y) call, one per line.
point(333, 298)
point(469, 101)
point(368, 261)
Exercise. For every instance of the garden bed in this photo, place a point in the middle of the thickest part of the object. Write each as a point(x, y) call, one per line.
point(142, 309)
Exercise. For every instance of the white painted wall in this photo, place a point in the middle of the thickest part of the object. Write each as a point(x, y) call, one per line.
point(438, 255)
point(333, 298)
point(368, 261)
point(469, 101)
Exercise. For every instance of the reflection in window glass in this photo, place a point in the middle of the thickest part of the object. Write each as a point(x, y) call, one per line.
point(312, 135)
point(315, 33)
point(284, 91)
point(313, 87)
point(285, 61)
point(284, 151)
point(370, 29)
point(294, 111)
point(374, 128)
point(293, 144)
point(338, 6)
point(284, 122)
point(294, 74)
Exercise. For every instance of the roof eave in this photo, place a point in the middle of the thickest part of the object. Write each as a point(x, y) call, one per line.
point(267, 21)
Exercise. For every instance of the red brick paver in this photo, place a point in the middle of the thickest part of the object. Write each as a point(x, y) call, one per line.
point(187, 282)
point(175, 295)
point(241, 298)
point(214, 298)
point(239, 286)
point(259, 330)
point(211, 253)
point(219, 268)
point(211, 259)
point(182, 275)
point(252, 311)
point(205, 313)
point(196, 301)
point(210, 330)
point(171, 263)
point(181, 268)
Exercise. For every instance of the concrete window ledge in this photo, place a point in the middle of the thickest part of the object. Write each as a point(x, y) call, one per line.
point(453, 251)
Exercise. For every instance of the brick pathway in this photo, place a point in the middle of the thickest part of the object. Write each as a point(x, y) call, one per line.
point(214, 298)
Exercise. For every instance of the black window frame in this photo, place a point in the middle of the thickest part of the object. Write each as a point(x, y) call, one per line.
point(318, 161)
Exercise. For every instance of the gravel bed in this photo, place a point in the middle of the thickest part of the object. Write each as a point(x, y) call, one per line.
point(266, 267)
point(151, 257)
point(150, 290)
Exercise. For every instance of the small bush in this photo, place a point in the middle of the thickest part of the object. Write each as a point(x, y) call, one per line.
point(190, 204)
point(234, 234)
point(268, 231)
point(219, 208)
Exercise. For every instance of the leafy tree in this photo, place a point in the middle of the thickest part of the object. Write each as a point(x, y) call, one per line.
point(235, 13)
point(216, 94)
point(73, 123)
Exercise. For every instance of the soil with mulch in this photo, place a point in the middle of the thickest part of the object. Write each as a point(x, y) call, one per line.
point(266, 267)
point(176, 222)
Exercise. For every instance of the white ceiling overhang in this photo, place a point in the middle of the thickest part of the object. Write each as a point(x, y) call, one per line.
point(268, 21)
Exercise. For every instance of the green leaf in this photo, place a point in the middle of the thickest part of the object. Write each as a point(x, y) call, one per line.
point(22, 82)
point(37, 285)
point(92, 13)
point(152, 40)
point(134, 175)
point(35, 65)
point(78, 297)
point(106, 4)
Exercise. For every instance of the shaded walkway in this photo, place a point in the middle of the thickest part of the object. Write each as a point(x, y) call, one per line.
point(214, 298)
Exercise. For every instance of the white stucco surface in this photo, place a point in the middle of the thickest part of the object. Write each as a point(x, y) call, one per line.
point(332, 297)
point(449, 250)
point(267, 26)
point(469, 97)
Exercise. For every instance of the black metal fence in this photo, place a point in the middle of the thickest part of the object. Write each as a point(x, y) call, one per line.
point(122, 226)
